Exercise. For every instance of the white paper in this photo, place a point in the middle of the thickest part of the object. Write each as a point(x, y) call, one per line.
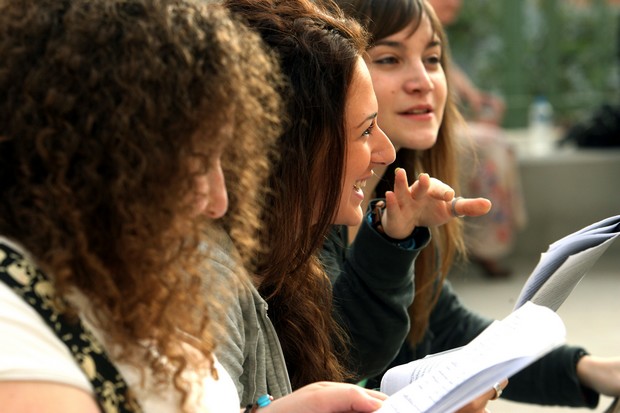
point(447, 381)
point(566, 262)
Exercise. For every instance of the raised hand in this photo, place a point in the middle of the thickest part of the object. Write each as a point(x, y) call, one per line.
point(427, 202)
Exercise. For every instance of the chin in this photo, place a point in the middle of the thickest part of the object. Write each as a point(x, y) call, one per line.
point(419, 144)
point(350, 218)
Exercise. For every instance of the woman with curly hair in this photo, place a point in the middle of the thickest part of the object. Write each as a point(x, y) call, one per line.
point(114, 115)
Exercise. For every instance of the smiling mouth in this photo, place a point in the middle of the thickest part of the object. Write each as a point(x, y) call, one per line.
point(359, 185)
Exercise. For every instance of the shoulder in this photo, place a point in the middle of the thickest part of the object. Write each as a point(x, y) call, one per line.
point(29, 350)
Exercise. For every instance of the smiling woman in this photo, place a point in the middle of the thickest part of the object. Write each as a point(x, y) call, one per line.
point(328, 149)
point(367, 146)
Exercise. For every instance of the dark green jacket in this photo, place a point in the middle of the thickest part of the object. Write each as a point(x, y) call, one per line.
point(550, 381)
point(370, 303)
point(372, 307)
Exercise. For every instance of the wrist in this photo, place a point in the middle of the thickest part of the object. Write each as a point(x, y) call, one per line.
point(376, 215)
point(262, 401)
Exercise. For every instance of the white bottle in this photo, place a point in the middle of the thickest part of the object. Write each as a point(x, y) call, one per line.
point(541, 130)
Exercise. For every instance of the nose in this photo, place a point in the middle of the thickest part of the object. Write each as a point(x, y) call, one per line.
point(218, 197)
point(383, 152)
point(418, 80)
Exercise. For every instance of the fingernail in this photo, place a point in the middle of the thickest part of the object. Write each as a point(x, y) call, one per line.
point(376, 404)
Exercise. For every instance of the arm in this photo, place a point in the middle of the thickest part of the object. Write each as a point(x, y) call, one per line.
point(37, 372)
point(231, 344)
point(552, 380)
point(248, 345)
point(373, 287)
point(48, 397)
point(600, 373)
point(373, 280)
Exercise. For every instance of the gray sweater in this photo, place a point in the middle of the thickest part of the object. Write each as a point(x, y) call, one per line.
point(248, 347)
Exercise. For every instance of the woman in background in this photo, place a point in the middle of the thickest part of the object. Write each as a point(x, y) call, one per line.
point(489, 170)
point(409, 65)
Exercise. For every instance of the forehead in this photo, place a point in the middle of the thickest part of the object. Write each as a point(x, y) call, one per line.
point(414, 39)
point(361, 100)
point(423, 31)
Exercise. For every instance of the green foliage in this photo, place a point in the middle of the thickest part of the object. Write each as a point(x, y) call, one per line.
point(552, 47)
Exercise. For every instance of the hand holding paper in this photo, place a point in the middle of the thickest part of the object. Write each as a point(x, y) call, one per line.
point(446, 381)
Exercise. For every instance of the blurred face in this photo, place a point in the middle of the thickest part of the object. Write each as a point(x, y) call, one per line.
point(447, 10)
point(367, 146)
point(410, 85)
point(211, 195)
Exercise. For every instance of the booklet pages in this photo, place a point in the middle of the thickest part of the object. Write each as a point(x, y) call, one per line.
point(566, 262)
point(447, 381)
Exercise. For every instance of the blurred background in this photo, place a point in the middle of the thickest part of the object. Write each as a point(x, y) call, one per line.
point(566, 50)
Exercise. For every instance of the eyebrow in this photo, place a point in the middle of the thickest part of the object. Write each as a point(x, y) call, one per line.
point(399, 45)
point(369, 117)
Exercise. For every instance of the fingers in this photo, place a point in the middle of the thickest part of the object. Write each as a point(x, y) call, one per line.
point(421, 186)
point(401, 186)
point(497, 390)
point(328, 397)
point(472, 207)
point(435, 188)
point(372, 400)
point(479, 404)
point(404, 192)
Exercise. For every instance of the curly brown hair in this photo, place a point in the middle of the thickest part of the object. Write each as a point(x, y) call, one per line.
point(318, 49)
point(103, 106)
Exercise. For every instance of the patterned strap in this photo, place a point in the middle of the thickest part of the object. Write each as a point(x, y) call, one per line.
point(26, 280)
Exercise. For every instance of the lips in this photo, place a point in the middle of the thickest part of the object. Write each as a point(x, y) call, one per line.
point(416, 112)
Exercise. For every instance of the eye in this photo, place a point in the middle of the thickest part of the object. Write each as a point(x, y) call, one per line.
point(368, 131)
point(433, 60)
point(387, 60)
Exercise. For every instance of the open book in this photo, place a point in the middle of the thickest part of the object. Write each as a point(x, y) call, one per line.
point(566, 262)
point(445, 382)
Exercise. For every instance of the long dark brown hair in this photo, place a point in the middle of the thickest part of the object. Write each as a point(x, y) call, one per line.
point(318, 50)
point(382, 19)
point(109, 109)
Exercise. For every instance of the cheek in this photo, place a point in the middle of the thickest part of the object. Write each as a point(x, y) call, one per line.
point(441, 92)
point(384, 88)
point(358, 161)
